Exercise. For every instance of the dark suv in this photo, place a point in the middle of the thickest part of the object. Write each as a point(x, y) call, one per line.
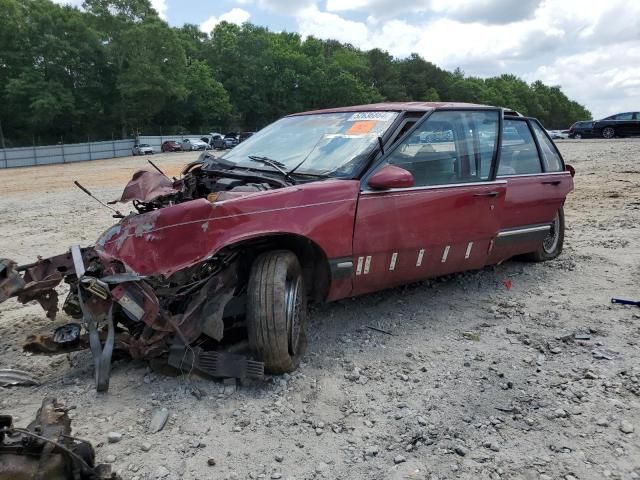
point(581, 130)
point(618, 125)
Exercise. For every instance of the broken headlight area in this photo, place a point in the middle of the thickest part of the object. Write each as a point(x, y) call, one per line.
point(196, 311)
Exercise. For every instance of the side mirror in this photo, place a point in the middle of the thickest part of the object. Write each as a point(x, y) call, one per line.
point(391, 176)
point(570, 169)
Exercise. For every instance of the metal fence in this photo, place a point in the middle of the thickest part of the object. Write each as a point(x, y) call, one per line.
point(79, 152)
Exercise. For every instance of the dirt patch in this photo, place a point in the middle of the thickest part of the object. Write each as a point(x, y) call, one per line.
point(540, 381)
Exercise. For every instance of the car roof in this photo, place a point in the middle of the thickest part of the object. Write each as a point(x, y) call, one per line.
point(402, 107)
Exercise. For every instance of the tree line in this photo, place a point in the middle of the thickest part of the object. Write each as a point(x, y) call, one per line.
point(114, 68)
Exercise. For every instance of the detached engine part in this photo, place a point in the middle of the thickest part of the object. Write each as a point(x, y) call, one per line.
point(45, 450)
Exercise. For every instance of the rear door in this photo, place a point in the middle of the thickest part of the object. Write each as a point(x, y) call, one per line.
point(446, 222)
point(537, 185)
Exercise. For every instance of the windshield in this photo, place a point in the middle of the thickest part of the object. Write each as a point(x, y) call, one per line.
point(334, 144)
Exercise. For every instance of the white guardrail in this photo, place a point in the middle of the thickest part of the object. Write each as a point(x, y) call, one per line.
point(79, 152)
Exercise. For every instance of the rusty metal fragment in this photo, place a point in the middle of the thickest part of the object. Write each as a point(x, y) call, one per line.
point(146, 186)
point(46, 450)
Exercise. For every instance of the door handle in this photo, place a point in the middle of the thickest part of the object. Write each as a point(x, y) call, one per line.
point(552, 182)
point(486, 194)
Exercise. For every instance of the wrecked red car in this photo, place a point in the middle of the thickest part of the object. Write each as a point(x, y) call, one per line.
point(318, 206)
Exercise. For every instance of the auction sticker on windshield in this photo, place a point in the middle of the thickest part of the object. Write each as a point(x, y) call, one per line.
point(361, 127)
point(378, 116)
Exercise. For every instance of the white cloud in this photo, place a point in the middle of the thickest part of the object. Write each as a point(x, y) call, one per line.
point(592, 51)
point(161, 7)
point(311, 21)
point(235, 15)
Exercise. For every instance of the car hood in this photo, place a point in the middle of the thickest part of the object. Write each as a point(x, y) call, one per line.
point(164, 241)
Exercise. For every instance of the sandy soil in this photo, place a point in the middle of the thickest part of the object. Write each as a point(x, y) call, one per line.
point(476, 382)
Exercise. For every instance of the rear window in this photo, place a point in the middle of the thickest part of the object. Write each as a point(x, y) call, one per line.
point(550, 155)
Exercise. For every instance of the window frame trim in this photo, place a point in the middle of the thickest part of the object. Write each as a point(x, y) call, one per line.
point(531, 121)
point(527, 122)
point(376, 165)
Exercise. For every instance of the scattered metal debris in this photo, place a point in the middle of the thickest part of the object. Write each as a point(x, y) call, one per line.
point(10, 377)
point(622, 301)
point(376, 329)
point(215, 364)
point(46, 449)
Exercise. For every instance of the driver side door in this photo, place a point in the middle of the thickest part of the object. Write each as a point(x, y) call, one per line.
point(446, 222)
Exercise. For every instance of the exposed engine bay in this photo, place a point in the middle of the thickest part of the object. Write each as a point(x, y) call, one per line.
point(207, 177)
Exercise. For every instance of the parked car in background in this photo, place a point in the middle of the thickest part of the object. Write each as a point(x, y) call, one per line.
point(318, 206)
point(231, 140)
point(142, 149)
point(217, 141)
point(581, 130)
point(189, 144)
point(557, 134)
point(618, 125)
point(170, 146)
point(244, 135)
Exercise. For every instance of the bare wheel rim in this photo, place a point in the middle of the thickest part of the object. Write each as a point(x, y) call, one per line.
point(293, 305)
point(608, 132)
point(551, 242)
point(578, 136)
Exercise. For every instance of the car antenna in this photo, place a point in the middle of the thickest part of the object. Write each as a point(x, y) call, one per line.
point(117, 213)
point(158, 169)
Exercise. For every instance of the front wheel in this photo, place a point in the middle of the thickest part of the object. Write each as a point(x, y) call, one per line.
point(577, 136)
point(608, 132)
point(552, 245)
point(276, 311)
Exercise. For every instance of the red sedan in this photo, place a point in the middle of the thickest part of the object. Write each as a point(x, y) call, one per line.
point(318, 206)
point(170, 146)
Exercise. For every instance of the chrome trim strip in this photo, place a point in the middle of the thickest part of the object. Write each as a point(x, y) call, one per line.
point(432, 187)
point(359, 267)
point(420, 256)
point(445, 254)
point(532, 174)
point(468, 252)
point(523, 231)
point(392, 265)
point(367, 264)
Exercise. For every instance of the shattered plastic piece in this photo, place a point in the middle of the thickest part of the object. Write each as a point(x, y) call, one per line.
point(216, 364)
point(11, 377)
point(604, 354)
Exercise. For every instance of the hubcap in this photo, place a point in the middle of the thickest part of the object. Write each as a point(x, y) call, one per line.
point(293, 303)
point(608, 132)
point(551, 242)
point(578, 136)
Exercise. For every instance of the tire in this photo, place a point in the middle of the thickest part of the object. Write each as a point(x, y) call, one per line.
point(578, 136)
point(552, 245)
point(608, 132)
point(276, 311)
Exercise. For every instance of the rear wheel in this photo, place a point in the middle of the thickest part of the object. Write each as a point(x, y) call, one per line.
point(608, 132)
point(277, 311)
point(552, 245)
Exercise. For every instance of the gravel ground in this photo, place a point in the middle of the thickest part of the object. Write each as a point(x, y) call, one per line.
point(540, 381)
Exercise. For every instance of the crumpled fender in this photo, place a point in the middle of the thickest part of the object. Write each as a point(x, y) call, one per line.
point(170, 239)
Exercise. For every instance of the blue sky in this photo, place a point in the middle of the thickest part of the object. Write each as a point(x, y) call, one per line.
point(591, 48)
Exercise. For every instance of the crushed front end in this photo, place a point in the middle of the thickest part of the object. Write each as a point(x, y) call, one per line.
point(180, 312)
